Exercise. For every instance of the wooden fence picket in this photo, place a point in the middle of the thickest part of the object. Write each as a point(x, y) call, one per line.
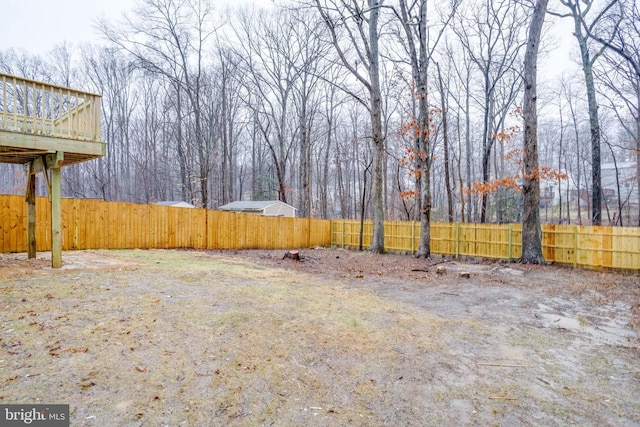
point(96, 224)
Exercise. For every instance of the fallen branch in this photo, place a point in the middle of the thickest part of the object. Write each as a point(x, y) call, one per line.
point(504, 365)
point(544, 381)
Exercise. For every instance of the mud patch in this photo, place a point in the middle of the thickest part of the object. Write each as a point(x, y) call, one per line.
point(609, 325)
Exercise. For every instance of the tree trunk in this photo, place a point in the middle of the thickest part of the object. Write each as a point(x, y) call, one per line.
point(365, 41)
point(419, 66)
point(224, 170)
point(305, 160)
point(560, 142)
point(617, 217)
point(325, 171)
point(363, 207)
point(638, 153)
point(445, 132)
point(594, 122)
point(182, 157)
point(486, 146)
point(419, 161)
point(467, 141)
point(377, 242)
point(424, 248)
point(463, 214)
point(531, 231)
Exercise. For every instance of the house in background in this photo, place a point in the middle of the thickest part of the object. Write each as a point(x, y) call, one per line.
point(552, 191)
point(261, 207)
point(620, 176)
point(175, 204)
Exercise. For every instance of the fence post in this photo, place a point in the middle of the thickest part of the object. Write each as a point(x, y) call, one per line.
point(457, 240)
point(74, 224)
point(510, 247)
point(575, 246)
point(331, 231)
point(413, 236)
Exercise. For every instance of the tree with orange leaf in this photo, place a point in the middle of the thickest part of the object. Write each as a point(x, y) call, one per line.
point(413, 17)
point(491, 33)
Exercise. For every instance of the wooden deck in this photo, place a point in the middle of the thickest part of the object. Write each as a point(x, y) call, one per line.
point(37, 119)
point(45, 127)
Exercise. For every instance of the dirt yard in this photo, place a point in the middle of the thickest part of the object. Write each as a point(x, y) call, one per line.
point(167, 338)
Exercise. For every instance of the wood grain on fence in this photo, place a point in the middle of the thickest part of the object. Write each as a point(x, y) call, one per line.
point(581, 246)
point(96, 224)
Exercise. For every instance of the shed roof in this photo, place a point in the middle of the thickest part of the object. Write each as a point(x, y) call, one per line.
point(252, 205)
point(175, 204)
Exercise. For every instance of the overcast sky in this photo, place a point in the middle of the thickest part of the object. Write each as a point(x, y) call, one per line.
point(38, 25)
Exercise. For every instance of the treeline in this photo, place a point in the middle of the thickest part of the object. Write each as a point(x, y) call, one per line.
point(211, 105)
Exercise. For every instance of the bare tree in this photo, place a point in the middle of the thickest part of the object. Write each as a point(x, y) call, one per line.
point(531, 232)
point(224, 112)
point(269, 51)
point(21, 63)
point(622, 28)
point(168, 38)
point(620, 34)
point(460, 92)
point(588, 58)
point(419, 50)
point(492, 34)
point(307, 96)
point(332, 109)
point(61, 62)
point(108, 72)
point(445, 139)
point(355, 35)
point(621, 89)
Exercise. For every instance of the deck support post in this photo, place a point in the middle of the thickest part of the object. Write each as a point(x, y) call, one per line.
point(44, 164)
point(31, 210)
point(54, 162)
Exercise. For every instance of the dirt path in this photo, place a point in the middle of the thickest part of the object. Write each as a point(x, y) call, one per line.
point(343, 338)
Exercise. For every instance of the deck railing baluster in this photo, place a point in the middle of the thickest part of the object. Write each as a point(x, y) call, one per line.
point(39, 108)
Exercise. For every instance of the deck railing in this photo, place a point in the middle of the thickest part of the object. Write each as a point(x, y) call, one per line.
point(32, 107)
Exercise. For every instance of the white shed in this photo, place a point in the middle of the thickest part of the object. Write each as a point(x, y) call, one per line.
point(260, 207)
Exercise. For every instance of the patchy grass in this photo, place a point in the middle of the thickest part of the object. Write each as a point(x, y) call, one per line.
point(186, 336)
point(196, 338)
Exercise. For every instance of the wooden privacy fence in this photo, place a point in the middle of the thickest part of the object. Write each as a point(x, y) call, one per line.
point(95, 224)
point(579, 246)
